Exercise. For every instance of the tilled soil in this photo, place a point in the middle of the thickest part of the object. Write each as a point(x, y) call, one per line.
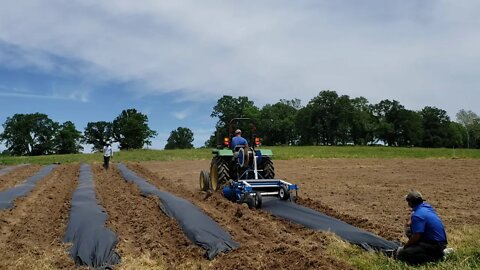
point(374, 190)
point(31, 233)
point(367, 193)
point(265, 242)
point(17, 176)
point(141, 227)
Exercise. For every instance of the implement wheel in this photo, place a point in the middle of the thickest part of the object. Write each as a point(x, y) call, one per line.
point(248, 199)
point(283, 193)
point(204, 181)
point(258, 200)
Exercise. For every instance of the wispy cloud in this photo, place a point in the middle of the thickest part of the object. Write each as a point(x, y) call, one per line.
point(81, 96)
point(180, 115)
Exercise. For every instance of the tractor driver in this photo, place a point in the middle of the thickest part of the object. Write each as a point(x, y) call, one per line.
point(238, 139)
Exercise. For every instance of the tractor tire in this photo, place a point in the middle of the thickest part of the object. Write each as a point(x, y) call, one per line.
point(204, 181)
point(219, 173)
point(268, 169)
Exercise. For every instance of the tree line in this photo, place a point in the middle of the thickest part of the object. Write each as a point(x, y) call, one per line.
point(332, 119)
point(327, 119)
point(37, 134)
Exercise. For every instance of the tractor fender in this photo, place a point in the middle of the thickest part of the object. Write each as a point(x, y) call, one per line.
point(264, 152)
point(223, 152)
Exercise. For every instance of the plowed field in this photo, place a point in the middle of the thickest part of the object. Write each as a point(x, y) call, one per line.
point(367, 193)
point(17, 176)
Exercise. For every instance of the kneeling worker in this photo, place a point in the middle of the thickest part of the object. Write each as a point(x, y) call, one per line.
point(425, 231)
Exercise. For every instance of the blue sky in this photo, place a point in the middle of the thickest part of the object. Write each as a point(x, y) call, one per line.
point(88, 60)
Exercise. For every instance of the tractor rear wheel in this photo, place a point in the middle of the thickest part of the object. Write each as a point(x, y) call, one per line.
point(219, 173)
point(268, 169)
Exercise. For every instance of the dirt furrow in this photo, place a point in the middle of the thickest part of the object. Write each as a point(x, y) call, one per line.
point(266, 242)
point(144, 232)
point(17, 176)
point(32, 231)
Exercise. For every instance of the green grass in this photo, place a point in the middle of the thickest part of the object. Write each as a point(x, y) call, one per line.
point(371, 152)
point(465, 242)
point(280, 152)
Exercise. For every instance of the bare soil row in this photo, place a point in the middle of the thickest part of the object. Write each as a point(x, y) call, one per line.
point(367, 193)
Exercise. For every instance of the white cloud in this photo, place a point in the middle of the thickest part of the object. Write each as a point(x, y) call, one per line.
point(80, 95)
point(418, 52)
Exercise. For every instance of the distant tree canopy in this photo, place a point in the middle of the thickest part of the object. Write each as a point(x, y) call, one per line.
point(130, 129)
point(97, 134)
point(181, 138)
point(471, 123)
point(67, 139)
point(37, 134)
point(330, 119)
point(327, 119)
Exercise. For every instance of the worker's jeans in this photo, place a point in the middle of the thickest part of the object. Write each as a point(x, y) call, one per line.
point(106, 160)
point(421, 253)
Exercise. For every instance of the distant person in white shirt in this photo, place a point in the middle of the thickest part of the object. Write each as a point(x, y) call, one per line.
point(107, 154)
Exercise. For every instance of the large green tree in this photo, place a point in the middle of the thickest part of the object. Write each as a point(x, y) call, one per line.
point(97, 134)
point(326, 120)
point(467, 119)
point(228, 108)
point(436, 125)
point(303, 124)
point(387, 113)
point(67, 139)
point(29, 134)
point(181, 138)
point(363, 122)
point(277, 123)
point(131, 130)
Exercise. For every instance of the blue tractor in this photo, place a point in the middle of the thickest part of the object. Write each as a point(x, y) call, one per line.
point(245, 173)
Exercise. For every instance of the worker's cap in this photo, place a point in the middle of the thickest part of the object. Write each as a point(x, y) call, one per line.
point(238, 131)
point(414, 195)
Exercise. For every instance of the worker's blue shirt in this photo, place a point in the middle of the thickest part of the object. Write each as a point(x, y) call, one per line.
point(238, 140)
point(426, 222)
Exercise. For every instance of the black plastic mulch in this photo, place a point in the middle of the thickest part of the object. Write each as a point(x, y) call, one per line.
point(196, 225)
point(8, 196)
point(10, 168)
point(93, 244)
point(318, 221)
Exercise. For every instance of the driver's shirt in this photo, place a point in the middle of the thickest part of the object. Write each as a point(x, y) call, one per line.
point(238, 140)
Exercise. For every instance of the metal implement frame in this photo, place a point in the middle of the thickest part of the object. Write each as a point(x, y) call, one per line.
point(250, 186)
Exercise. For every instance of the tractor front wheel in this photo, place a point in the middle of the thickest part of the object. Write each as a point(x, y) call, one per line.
point(204, 181)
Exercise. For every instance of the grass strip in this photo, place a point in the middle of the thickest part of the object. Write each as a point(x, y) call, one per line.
point(464, 240)
point(279, 152)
